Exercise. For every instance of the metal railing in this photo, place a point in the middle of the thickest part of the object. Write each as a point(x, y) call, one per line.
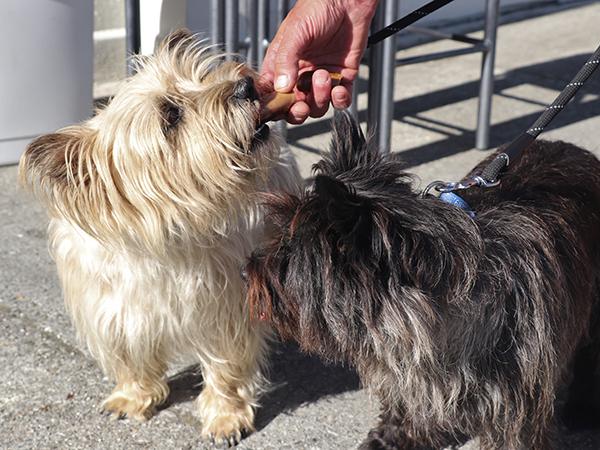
point(133, 36)
point(382, 63)
point(225, 26)
point(225, 30)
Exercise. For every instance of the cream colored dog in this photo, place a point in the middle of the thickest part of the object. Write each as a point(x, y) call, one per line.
point(153, 210)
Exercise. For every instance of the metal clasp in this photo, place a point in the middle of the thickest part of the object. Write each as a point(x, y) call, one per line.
point(451, 186)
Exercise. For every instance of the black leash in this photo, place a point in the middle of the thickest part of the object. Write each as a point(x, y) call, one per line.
point(514, 150)
point(405, 21)
point(491, 173)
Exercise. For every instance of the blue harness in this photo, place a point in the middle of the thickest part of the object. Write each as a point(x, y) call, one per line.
point(456, 200)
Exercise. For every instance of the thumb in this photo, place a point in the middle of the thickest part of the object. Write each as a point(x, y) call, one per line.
point(286, 66)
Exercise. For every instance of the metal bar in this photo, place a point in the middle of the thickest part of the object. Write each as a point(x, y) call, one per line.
point(283, 7)
point(388, 65)
point(254, 46)
point(263, 29)
point(441, 35)
point(486, 87)
point(133, 34)
point(439, 55)
point(232, 14)
point(217, 22)
point(375, 55)
point(354, 106)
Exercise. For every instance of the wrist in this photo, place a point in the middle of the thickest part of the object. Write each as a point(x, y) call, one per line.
point(361, 10)
point(364, 5)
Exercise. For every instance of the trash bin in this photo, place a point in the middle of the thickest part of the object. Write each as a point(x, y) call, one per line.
point(46, 69)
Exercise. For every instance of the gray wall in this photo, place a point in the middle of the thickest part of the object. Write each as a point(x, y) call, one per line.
point(45, 69)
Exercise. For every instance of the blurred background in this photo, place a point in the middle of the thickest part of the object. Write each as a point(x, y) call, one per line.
point(160, 16)
point(59, 56)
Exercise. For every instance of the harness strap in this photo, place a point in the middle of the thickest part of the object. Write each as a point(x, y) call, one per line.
point(456, 200)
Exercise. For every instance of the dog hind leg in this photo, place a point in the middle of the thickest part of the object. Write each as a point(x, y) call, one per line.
point(582, 408)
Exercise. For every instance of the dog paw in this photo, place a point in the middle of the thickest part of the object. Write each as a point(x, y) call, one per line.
point(373, 444)
point(224, 422)
point(377, 440)
point(222, 433)
point(133, 402)
point(118, 406)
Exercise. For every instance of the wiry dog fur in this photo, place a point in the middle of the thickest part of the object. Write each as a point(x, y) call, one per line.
point(463, 327)
point(153, 212)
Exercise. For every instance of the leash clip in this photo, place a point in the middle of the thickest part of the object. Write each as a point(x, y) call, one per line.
point(451, 186)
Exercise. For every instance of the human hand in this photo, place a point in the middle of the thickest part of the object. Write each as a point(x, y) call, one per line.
point(328, 35)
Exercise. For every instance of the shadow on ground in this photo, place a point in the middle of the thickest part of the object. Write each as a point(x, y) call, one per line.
point(553, 75)
point(296, 379)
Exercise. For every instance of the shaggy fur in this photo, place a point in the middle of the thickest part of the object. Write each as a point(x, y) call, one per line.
point(463, 327)
point(153, 211)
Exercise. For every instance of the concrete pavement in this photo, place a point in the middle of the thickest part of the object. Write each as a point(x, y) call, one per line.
point(50, 389)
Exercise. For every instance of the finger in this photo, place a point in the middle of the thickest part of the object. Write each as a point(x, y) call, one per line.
point(268, 65)
point(321, 93)
point(298, 113)
point(341, 96)
point(318, 112)
point(286, 64)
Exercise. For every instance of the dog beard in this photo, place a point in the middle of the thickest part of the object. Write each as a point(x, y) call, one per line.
point(463, 327)
point(153, 210)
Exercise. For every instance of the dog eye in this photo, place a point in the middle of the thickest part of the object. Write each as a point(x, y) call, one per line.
point(172, 115)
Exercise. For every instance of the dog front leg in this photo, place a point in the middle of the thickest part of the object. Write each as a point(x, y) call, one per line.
point(390, 434)
point(232, 383)
point(138, 390)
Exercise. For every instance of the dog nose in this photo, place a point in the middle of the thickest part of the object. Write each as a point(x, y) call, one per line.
point(244, 274)
point(244, 89)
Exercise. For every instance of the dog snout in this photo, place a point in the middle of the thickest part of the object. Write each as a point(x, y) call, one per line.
point(244, 274)
point(244, 89)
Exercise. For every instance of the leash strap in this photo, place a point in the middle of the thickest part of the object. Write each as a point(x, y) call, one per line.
point(490, 174)
point(405, 21)
point(513, 151)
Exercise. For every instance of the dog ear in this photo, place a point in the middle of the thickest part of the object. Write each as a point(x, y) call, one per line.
point(51, 161)
point(348, 137)
point(346, 212)
point(348, 144)
point(348, 149)
point(176, 41)
point(330, 190)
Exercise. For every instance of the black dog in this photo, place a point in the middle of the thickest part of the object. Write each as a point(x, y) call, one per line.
point(464, 327)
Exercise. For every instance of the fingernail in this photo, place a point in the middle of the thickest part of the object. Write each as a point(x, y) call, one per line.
point(338, 96)
point(321, 77)
point(282, 82)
